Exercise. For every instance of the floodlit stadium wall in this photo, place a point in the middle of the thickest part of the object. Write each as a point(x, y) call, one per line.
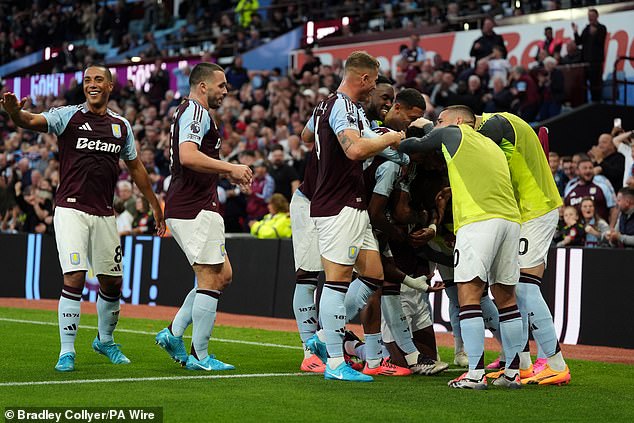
point(588, 290)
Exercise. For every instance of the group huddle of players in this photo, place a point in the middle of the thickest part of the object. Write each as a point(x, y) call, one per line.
point(450, 198)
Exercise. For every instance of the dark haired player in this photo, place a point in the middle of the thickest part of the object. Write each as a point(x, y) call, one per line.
point(91, 139)
point(191, 210)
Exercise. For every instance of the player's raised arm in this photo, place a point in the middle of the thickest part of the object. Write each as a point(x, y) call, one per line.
point(22, 118)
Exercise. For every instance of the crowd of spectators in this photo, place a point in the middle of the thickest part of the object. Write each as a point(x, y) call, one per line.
point(228, 27)
point(598, 192)
point(261, 121)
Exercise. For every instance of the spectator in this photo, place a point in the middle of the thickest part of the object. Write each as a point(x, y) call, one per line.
point(601, 192)
point(549, 45)
point(7, 206)
point(414, 53)
point(159, 83)
point(623, 235)
point(495, 9)
point(473, 96)
point(260, 192)
point(551, 84)
point(573, 234)
point(558, 174)
point(498, 65)
point(298, 153)
point(37, 207)
point(123, 217)
point(526, 92)
point(234, 206)
point(237, 74)
point(483, 46)
point(277, 223)
point(182, 80)
point(311, 64)
point(573, 54)
point(608, 161)
point(124, 193)
point(595, 227)
point(623, 142)
point(500, 99)
point(143, 223)
point(285, 176)
point(570, 170)
point(592, 42)
point(244, 11)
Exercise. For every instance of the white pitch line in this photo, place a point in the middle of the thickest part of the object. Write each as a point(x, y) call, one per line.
point(151, 379)
point(141, 332)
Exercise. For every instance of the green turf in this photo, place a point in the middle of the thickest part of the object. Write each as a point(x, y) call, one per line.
point(599, 392)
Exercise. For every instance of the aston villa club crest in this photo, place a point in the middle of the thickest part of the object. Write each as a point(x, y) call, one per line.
point(116, 130)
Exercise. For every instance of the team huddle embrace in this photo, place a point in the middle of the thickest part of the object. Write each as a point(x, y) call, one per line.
point(387, 198)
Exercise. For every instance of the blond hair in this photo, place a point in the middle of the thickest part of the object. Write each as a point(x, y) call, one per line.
point(360, 61)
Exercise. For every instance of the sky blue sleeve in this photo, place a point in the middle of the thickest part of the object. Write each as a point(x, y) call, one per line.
point(193, 125)
point(386, 176)
point(129, 149)
point(344, 115)
point(58, 118)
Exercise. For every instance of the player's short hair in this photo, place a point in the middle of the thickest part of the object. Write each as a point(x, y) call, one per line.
point(410, 98)
point(384, 80)
point(203, 71)
point(105, 69)
point(627, 192)
point(463, 111)
point(360, 61)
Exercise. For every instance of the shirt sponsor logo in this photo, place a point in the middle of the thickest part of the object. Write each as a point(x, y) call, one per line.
point(116, 130)
point(97, 145)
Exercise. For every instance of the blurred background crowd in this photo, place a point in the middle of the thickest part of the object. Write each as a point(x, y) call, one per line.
point(262, 117)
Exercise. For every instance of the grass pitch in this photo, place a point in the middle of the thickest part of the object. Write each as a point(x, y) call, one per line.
point(266, 385)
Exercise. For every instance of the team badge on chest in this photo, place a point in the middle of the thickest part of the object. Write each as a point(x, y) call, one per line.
point(116, 130)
